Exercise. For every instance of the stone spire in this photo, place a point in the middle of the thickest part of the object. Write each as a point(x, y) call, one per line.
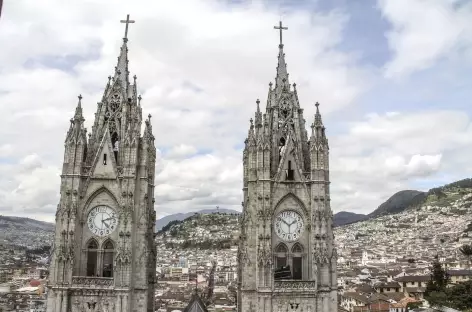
point(318, 129)
point(121, 69)
point(77, 132)
point(258, 115)
point(78, 116)
point(148, 136)
point(121, 74)
point(281, 78)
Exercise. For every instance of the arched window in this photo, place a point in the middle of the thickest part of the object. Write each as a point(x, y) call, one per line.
point(297, 248)
point(290, 172)
point(115, 144)
point(108, 255)
point(281, 256)
point(282, 269)
point(92, 252)
point(297, 261)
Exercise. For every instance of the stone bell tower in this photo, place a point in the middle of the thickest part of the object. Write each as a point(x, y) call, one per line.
point(104, 256)
point(286, 257)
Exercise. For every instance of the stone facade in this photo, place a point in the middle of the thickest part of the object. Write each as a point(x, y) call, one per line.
point(106, 264)
point(285, 171)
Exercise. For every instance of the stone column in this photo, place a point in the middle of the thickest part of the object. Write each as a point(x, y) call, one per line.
point(119, 298)
point(58, 301)
point(65, 301)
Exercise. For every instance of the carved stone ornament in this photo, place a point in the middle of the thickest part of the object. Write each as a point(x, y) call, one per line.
point(324, 255)
point(90, 281)
point(123, 257)
point(264, 255)
point(290, 286)
point(334, 254)
point(264, 214)
point(143, 256)
point(107, 306)
point(245, 219)
point(243, 257)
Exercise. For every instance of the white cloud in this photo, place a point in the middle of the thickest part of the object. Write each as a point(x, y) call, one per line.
point(386, 153)
point(182, 150)
point(424, 31)
point(200, 71)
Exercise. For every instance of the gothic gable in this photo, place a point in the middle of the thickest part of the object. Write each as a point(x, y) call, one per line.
point(291, 201)
point(104, 166)
point(101, 195)
point(289, 168)
point(196, 305)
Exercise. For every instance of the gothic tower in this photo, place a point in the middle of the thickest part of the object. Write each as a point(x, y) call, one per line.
point(104, 253)
point(286, 257)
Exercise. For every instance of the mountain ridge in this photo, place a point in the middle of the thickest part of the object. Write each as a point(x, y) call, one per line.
point(12, 228)
point(160, 223)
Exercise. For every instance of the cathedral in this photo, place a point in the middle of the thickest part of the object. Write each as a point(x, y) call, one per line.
point(286, 257)
point(104, 256)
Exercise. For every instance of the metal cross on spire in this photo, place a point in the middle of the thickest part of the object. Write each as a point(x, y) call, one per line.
point(280, 28)
point(127, 22)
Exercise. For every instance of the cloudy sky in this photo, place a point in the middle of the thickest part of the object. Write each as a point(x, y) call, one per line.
point(394, 79)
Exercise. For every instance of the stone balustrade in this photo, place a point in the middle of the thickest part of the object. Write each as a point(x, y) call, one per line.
point(293, 285)
point(92, 281)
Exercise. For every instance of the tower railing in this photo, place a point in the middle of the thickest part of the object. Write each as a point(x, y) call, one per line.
point(92, 281)
point(294, 285)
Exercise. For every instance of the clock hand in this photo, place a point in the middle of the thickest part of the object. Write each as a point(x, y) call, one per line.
point(108, 219)
point(105, 224)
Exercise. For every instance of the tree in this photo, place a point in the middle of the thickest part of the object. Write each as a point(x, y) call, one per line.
point(412, 305)
point(466, 250)
point(439, 277)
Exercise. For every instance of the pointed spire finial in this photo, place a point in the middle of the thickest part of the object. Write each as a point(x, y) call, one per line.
point(127, 22)
point(318, 121)
point(78, 110)
point(149, 117)
point(280, 28)
point(139, 99)
point(135, 77)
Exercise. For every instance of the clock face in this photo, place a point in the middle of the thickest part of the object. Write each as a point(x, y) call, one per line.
point(102, 220)
point(289, 225)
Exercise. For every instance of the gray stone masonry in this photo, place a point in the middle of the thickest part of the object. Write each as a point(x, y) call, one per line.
point(109, 266)
point(284, 171)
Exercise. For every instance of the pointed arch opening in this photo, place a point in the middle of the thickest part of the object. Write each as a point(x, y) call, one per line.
point(281, 148)
point(297, 261)
point(297, 248)
point(281, 252)
point(108, 256)
point(295, 201)
point(115, 143)
point(92, 257)
point(90, 200)
point(281, 262)
point(290, 176)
